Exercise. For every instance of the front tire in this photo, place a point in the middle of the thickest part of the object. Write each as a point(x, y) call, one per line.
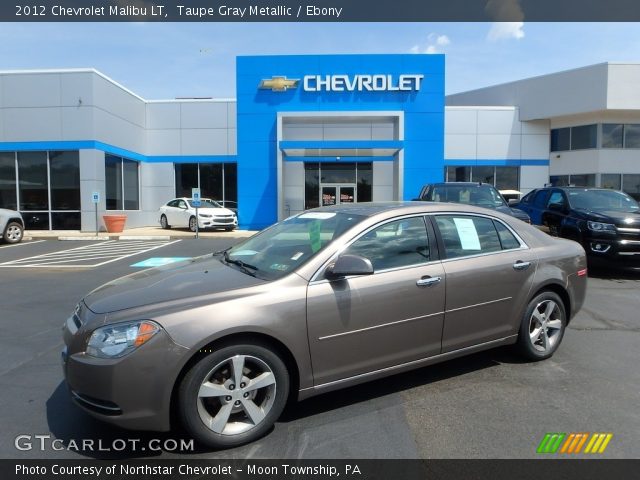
point(542, 327)
point(233, 396)
point(13, 233)
point(192, 224)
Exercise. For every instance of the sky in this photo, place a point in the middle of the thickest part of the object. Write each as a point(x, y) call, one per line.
point(169, 60)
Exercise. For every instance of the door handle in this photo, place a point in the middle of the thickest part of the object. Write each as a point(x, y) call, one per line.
point(520, 265)
point(428, 281)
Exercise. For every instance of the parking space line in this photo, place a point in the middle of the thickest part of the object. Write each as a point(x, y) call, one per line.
point(88, 256)
point(22, 244)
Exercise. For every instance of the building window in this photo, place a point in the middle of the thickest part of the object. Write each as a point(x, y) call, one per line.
point(578, 180)
point(584, 137)
point(611, 180)
point(217, 181)
point(503, 178)
point(560, 139)
point(574, 138)
point(457, 174)
point(43, 186)
point(612, 135)
point(121, 183)
point(632, 136)
point(631, 185)
point(8, 190)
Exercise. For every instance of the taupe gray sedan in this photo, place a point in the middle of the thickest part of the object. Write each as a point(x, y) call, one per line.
point(326, 299)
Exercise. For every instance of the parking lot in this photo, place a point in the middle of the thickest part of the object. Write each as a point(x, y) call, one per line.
point(488, 405)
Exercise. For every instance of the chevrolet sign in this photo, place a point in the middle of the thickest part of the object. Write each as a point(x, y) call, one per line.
point(361, 83)
point(278, 84)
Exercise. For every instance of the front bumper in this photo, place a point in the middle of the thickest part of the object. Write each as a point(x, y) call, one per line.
point(613, 250)
point(132, 392)
point(214, 222)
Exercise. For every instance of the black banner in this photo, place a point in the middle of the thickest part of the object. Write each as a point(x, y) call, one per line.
point(319, 10)
point(319, 469)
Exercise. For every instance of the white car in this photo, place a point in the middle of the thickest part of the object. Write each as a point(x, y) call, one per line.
point(180, 212)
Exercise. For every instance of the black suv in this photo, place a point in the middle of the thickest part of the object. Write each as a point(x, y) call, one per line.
point(606, 222)
point(470, 193)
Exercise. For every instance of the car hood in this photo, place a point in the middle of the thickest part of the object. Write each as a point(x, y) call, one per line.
point(190, 278)
point(214, 211)
point(514, 212)
point(621, 219)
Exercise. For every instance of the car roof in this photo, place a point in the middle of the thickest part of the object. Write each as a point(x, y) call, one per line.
point(574, 188)
point(369, 209)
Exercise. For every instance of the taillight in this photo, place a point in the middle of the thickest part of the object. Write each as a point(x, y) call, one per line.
point(582, 273)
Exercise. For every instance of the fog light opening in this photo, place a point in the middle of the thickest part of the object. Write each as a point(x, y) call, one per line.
point(599, 247)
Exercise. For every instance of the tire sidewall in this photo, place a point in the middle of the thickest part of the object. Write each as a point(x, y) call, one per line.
point(6, 230)
point(524, 341)
point(190, 385)
point(164, 223)
point(192, 228)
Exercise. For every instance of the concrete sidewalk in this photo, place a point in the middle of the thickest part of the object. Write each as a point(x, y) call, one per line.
point(144, 233)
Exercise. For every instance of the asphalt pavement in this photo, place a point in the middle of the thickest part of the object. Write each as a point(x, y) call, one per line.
point(488, 405)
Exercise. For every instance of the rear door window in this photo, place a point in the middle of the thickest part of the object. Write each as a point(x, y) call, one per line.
point(464, 235)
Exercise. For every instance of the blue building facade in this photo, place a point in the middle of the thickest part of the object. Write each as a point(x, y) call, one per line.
point(402, 92)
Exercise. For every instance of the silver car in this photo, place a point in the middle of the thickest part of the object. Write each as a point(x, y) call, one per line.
point(324, 300)
point(11, 226)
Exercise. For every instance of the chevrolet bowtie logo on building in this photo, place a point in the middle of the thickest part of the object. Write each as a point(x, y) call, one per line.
point(278, 84)
point(574, 443)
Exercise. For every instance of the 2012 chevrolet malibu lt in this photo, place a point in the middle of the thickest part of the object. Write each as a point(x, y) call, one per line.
point(325, 299)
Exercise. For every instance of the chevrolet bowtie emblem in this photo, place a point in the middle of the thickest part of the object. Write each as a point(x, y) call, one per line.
point(278, 84)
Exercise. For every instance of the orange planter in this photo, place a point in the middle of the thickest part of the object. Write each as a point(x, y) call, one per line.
point(114, 223)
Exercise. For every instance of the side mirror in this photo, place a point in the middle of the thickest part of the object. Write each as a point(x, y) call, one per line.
point(347, 265)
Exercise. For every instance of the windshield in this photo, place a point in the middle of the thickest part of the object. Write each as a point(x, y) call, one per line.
point(469, 194)
point(206, 203)
point(602, 200)
point(282, 248)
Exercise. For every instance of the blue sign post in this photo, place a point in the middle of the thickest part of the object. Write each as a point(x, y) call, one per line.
point(195, 201)
point(95, 199)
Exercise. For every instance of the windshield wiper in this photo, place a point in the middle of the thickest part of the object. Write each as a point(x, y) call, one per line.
point(224, 250)
point(246, 268)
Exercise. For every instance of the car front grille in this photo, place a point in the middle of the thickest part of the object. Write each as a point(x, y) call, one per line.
point(228, 219)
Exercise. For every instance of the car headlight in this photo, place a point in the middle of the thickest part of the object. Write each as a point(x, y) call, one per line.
point(114, 341)
point(601, 227)
point(205, 215)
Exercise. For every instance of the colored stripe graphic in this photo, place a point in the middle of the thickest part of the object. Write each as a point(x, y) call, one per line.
point(598, 443)
point(551, 442)
point(573, 442)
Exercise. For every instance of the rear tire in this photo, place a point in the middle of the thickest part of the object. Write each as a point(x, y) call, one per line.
point(542, 327)
point(164, 223)
point(13, 233)
point(233, 396)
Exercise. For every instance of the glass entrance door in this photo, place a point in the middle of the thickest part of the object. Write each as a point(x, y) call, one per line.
point(335, 194)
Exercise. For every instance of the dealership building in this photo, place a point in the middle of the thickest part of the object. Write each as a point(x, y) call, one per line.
point(306, 131)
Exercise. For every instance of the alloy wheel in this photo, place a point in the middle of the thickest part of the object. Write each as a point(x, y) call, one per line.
point(545, 326)
point(13, 233)
point(236, 395)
